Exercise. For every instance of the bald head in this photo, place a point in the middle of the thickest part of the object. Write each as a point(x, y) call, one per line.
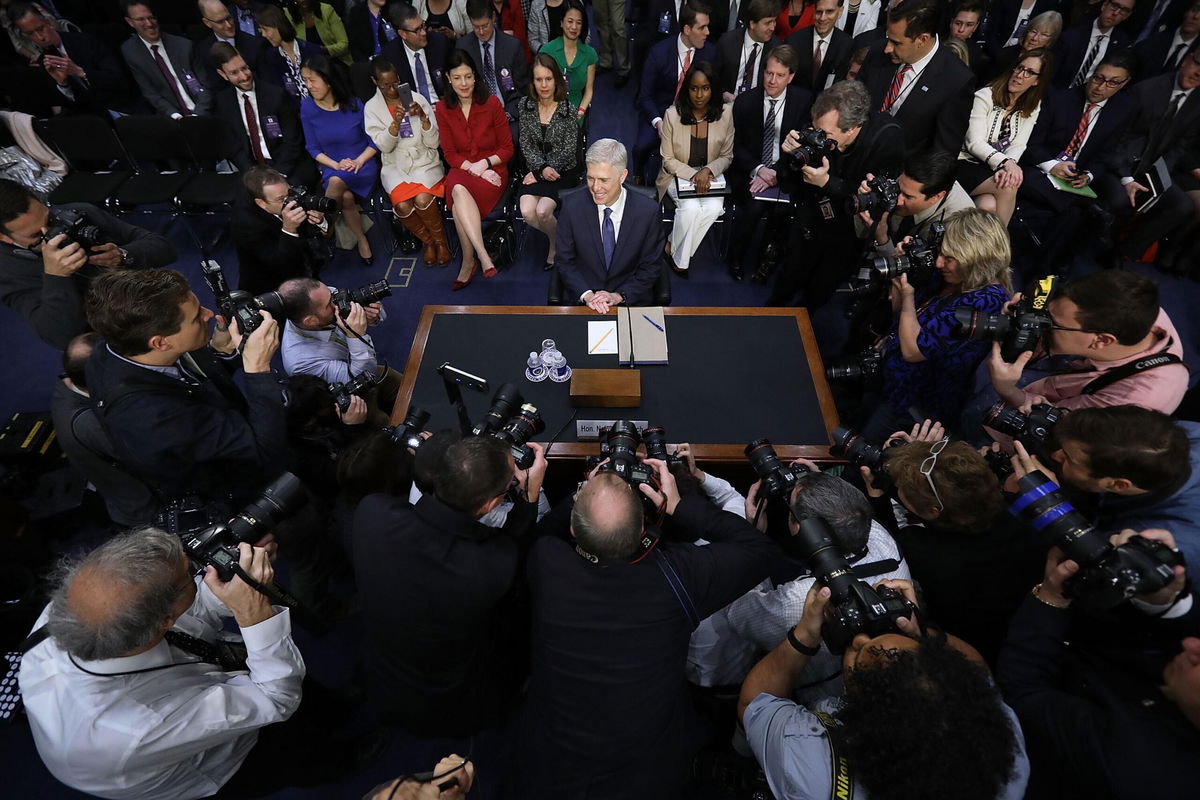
point(216, 18)
point(607, 520)
point(119, 599)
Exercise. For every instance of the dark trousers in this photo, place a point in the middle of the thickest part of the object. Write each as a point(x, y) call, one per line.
point(756, 222)
point(1171, 211)
point(820, 256)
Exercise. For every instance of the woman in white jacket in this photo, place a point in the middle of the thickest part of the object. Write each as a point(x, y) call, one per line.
point(412, 173)
point(1002, 118)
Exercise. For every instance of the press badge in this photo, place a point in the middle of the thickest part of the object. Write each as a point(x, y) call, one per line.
point(826, 208)
point(506, 81)
point(271, 126)
point(664, 23)
point(406, 130)
point(193, 85)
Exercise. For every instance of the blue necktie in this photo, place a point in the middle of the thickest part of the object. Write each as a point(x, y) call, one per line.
point(422, 79)
point(489, 69)
point(608, 234)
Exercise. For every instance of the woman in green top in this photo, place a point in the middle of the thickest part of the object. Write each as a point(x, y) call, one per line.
point(318, 23)
point(577, 58)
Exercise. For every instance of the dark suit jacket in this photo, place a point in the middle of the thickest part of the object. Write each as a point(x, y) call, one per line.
point(654, 11)
point(1170, 19)
point(1130, 157)
point(879, 150)
point(729, 53)
point(1059, 119)
point(834, 62)
point(1073, 47)
point(507, 54)
point(936, 109)
point(150, 80)
point(283, 151)
point(636, 260)
point(360, 30)
point(252, 48)
point(1003, 18)
point(1154, 50)
point(266, 255)
point(433, 583)
point(435, 54)
point(660, 73)
point(272, 66)
point(718, 19)
point(748, 123)
point(106, 85)
point(235, 12)
point(208, 439)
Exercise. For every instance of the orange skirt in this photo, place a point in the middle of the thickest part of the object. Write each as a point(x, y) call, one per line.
point(407, 191)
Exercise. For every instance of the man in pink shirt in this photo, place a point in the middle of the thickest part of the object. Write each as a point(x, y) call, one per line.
point(1111, 319)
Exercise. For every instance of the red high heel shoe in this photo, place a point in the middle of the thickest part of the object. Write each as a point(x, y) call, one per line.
point(490, 272)
point(459, 284)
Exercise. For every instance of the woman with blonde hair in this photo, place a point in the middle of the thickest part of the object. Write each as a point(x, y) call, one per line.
point(928, 363)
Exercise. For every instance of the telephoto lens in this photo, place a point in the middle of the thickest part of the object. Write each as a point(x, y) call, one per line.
point(777, 480)
point(655, 439)
point(505, 403)
point(363, 295)
point(284, 495)
point(523, 426)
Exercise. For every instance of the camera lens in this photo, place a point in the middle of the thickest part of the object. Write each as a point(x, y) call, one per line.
point(1004, 418)
point(656, 443)
point(858, 451)
point(259, 517)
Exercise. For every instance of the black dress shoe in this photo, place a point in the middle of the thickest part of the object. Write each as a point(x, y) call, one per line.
point(549, 265)
point(367, 260)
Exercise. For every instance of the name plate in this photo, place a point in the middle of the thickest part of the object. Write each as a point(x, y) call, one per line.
point(588, 430)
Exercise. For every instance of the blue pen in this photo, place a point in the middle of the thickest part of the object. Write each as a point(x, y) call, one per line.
point(655, 324)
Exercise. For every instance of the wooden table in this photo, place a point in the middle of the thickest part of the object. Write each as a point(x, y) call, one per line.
point(735, 374)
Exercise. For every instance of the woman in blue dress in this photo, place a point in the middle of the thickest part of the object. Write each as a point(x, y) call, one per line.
point(336, 137)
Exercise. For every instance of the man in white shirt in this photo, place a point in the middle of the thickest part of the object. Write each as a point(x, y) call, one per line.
point(1083, 47)
point(120, 701)
point(742, 54)
point(161, 64)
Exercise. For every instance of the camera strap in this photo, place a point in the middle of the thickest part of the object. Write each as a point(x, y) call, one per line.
point(1107, 378)
point(842, 787)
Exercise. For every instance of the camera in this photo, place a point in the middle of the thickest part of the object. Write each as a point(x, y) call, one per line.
point(1107, 575)
point(1032, 430)
point(918, 263)
point(1000, 463)
point(854, 606)
point(71, 223)
point(363, 295)
point(880, 200)
point(619, 444)
point(814, 145)
point(505, 403)
point(777, 480)
point(408, 432)
point(342, 392)
point(237, 304)
point(655, 439)
point(217, 543)
point(850, 445)
point(1019, 331)
point(517, 432)
point(310, 201)
point(867, 366)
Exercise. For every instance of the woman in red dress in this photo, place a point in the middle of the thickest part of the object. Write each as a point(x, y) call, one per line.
point(478, 145)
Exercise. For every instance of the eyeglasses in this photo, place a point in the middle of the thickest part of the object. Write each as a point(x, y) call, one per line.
point(417, 29)
point(927, 468)
point(1025, 72)
point(150, 18)
point(1113, 82)
point(222, 21)
point(1125, 11)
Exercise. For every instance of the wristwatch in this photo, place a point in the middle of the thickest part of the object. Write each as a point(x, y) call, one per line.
point(125, 260)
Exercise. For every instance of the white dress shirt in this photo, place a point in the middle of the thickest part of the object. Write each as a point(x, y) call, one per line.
point(162, 50)
point(174, 733)
point(262, 140)
point(618, 212)
point(914, 74)
point(766, 110)
point(748, 48)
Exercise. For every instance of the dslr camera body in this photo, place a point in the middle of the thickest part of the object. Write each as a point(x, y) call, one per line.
point(1019, 331)
point(814, 145)
point(619, 445)
point(239, 305)
point(75, 228)
point(514, 422)
point(880, 200)
point(310, 201)
point(358, 385)
point(1034, 430)
point(919, 263)
point(363, 295)
point(867, 367)
point(777, 480)
point(408, 432)
point(850, 445)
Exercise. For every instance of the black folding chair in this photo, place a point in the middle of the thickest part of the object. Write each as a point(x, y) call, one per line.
point(153, 142)
point(98, 164)
point(208, 192)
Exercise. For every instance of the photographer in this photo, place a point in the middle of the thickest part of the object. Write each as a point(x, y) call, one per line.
point(973, 560)
point(1079, 709)
point(319, 431)
point(761, 618)
point(45, 279)
point(275, 237)
point(927, 194)
point(613, 607)
point(820, 180)
point(1113, 322)
point(919, 717)
point(175, 417)
point(1138, 468)
point(443, 646)
point(926, 366)
point(119, 703)
point(318, 340)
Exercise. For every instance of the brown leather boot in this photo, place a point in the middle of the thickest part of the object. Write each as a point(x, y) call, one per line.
point(435, 225)
point(416, 226)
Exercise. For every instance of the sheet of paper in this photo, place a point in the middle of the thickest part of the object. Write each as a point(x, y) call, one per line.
point(602, 338)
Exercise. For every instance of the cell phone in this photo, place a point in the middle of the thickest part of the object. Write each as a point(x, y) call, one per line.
point(456, 375)
point(406, 97)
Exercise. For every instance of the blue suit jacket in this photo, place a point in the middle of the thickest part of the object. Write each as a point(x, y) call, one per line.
point(660, 73)
point(1073, 47)
point(636, 261)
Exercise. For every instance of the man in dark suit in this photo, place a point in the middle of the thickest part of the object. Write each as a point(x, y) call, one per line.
point(1070, 141)
point(1164, 51)
point(419, 55)
point(834, 46)
point(368, 29)
point(1167, 126)
point(274, 238)
point(436, 587)
point(161, 64)
point(922, 85)
point(1152, 17)
point(263, 121)
point(243, 12)
point(786, 107)
point(662, 78)
point(81, 72)
point(1083, 47)
point(742, 52)
point(222, 28)
point(610, 240)
point(499, 57)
